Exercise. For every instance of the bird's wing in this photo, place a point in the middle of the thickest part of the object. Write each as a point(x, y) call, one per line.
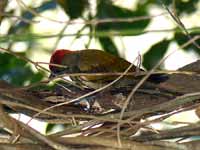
point(99, 61)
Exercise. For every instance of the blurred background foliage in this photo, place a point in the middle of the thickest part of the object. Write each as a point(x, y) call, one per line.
point(35, 28)
point(87, 23)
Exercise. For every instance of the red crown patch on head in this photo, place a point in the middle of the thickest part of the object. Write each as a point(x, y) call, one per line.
point(57, 57)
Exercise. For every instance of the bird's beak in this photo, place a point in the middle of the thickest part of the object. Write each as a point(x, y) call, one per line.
point(51, 76)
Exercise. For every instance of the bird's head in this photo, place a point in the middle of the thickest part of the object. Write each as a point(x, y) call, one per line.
point(57, 58)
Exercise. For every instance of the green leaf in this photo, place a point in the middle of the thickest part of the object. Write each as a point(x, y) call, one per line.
point(155, 54)
point(50, 128)
point(17, 71)
point(181, 39)
point(106, 10)
point(182, 6)
point(73, 8)
point(108, 45)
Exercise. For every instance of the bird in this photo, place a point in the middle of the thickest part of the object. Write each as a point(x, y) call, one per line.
point(68, 62)
point(89, 61)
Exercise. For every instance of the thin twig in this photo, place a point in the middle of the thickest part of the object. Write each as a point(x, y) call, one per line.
point(92, 22)
point(28, 36)
point(19, 18)
point(180, 24)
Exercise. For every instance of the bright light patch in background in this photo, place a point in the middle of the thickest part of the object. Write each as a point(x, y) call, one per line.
point(187, 116)
point(20, 46)
point(177, 120)
point(178, 59)
point(35, 124)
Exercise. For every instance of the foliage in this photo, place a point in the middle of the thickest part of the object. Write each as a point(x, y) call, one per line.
point(19, 72)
